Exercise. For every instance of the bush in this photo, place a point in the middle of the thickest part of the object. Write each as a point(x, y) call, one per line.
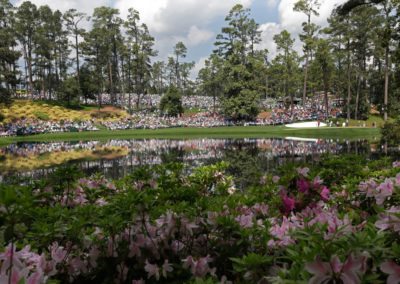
point(171, 102)
point(165, 225)
point(391, 132)
point(41, 115)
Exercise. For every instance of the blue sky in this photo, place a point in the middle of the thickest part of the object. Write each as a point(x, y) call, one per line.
point(197, 22)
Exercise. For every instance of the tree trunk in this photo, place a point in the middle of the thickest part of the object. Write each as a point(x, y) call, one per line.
point(110, 78)
point(386, 95)
point(326, 101)
point(357, 98)
point(305, 80)
point(77, 60)
point(129, 85)
point(348, 86)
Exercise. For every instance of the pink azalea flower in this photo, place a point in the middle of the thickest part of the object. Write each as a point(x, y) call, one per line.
point(200, 267)
point(260, 209)
point(94, 254)
point(16, 276)
point(396, 164)
point(393, 270)
point(101, 202)
point(325, 192)
point(111, 186)
point(349, 272)
point(188, 226)
point(152, 270)
point(275, 179)
point(35, 278)
point(288, 203)
point(303, 186)
point(317, 182)
point(166, 267)
point(57, 253)
point(385, 190)
point(122, 271)
point(303, 171)
point(389, 220)
point(10, 256)
point(134, 250)
point(245, 221)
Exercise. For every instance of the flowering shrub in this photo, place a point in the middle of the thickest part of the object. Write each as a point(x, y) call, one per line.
point(162, 224)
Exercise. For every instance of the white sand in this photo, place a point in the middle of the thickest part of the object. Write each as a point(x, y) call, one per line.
point(302, 139)
point(309, 124)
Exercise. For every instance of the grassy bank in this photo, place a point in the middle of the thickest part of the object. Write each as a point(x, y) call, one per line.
point(219, 132)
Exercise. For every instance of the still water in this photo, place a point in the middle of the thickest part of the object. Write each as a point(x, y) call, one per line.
point(248, 158)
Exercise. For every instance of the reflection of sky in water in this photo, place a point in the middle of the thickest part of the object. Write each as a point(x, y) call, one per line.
point(272, 152)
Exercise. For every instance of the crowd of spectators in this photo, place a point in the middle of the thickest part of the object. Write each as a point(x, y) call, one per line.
point(148, 101)
point(276, 116)
point(146, 119)
point(36, 126)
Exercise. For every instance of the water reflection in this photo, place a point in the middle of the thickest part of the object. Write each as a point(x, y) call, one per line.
point(248, 158)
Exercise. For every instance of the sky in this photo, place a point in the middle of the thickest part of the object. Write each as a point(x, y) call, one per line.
point(197, 22)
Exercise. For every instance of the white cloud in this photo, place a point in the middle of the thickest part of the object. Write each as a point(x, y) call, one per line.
point(64, 5)
point(292, 22)
point(170, 21)
point(197, 36)
point(272, 3)
point(268, 31)
point(197, 67)
point(177, 16)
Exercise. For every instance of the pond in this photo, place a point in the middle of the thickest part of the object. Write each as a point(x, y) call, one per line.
point(248, 158)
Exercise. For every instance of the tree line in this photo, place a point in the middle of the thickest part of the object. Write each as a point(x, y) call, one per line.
point(64, 61)
point(50, 54)
point(355, 57)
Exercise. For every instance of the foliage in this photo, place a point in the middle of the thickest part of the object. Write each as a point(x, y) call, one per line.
point(391, 132)
point(236, 48)
point(171, 102)
point(161, 224)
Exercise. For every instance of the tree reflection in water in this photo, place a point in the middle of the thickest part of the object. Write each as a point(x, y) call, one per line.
point(247, 158)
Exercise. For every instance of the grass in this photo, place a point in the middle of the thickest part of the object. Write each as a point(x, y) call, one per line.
point(219, 132)
point(370, 122)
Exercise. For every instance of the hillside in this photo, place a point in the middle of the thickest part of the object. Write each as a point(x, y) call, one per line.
point(26, 109)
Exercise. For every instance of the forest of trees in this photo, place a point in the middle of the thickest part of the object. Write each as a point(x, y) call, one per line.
point(48, 54)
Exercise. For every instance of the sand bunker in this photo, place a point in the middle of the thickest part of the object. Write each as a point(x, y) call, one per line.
point(309, 124)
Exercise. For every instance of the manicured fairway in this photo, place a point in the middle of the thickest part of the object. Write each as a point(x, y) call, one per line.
point(218, 132)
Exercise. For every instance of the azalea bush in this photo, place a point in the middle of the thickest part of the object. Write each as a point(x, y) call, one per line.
point(163, 224)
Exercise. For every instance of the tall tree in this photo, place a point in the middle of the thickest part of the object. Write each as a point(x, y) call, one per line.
point(309, 8)
point(26, 23)
point(107, 26)
point(8, 54)
point(158, 76)
point(386, 7)
point(141, 50)
point(180, 51)
point(324, 65)
point(211, 79)
point(288, 60)
point(72, 20)
point(235, 45)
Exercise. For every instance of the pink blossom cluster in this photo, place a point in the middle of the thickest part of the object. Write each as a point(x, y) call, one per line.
point(305, 193)
point(30, 267)
point(390, 219)
point(320, 214)
point(381, 192)
point(349, 271)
